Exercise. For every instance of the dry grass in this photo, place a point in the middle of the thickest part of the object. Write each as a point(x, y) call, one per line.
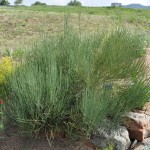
point(18, 28)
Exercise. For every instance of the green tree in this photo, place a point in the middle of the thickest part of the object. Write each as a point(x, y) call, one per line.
point(18, 2)
point(38, 3)
point(4, 2)
point(74, 3)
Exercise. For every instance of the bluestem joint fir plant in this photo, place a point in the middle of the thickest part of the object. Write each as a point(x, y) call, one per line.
point(76, 83)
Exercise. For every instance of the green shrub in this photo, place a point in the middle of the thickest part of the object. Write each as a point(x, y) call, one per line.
point(74, 3)
point(72, 82)
point(4, 2)
point(18, 2)
point(37, 3)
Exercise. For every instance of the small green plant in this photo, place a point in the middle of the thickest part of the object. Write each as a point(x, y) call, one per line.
point(110, 147)
point(14, 54)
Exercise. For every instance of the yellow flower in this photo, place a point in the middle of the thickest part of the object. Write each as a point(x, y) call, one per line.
point(6, 68)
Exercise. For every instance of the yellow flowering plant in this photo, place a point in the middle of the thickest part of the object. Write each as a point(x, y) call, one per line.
point(6, 68)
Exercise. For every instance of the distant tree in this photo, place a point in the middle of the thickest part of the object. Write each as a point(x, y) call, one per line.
point(38, 3)
point(4, 2)
point(18, 2)
point(74, 3)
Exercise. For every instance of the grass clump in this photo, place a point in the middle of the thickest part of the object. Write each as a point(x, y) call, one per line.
point(76, 83)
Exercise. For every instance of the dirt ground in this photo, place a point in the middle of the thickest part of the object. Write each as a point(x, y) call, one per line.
point(12, 140)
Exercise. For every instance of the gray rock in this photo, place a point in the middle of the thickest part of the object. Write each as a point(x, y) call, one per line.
point(146, 142)
point(141, 119)
point(119, 138)
point(145, 145)
point(140, 147)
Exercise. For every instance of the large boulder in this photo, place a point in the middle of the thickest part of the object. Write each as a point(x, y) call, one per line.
point(138, 125)
point(118, 137)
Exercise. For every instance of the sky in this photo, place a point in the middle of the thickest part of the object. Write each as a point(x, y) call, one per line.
point(86, 2)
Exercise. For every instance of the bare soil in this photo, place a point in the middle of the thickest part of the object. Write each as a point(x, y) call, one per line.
point(11, 139)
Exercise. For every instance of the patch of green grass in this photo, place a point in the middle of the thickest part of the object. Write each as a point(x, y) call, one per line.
point(86, 10)
point(120, 14)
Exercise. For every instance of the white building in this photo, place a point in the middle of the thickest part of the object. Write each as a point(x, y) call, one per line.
point(116, 4)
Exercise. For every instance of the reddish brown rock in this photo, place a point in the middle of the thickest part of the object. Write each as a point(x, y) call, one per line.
point(138, 125)
point(136, 134)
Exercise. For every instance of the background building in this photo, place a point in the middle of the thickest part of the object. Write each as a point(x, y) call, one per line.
point(116, 4)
